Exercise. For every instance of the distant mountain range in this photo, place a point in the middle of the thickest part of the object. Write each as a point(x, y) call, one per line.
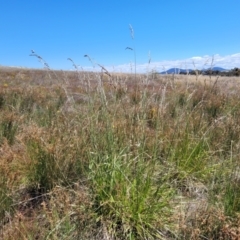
point(178, 70)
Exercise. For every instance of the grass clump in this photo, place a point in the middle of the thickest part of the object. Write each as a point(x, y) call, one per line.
point(8, 128)
point(5, 199)
point(128, 198)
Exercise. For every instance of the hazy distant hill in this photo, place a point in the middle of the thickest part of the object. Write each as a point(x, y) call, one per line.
point(175, 70)
point(220, 69)
point(180, 70)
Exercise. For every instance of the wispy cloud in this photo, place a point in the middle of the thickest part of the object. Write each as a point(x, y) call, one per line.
point(196, 62)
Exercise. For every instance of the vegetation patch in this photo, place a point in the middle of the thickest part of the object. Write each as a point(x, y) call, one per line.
point(118, 156)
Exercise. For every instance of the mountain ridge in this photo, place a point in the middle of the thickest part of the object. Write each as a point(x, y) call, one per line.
point(180, 70)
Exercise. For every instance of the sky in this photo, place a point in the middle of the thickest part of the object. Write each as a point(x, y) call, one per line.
point(160, 34)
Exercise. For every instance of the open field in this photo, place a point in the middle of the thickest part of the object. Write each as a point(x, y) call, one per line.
point(96, 156)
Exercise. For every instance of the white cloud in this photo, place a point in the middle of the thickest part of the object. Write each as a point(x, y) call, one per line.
point(198, 62)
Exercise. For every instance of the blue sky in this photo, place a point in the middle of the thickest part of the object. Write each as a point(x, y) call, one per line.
point(174, 33)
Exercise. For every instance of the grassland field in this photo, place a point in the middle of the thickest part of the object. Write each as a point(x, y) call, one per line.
point(89, 155)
